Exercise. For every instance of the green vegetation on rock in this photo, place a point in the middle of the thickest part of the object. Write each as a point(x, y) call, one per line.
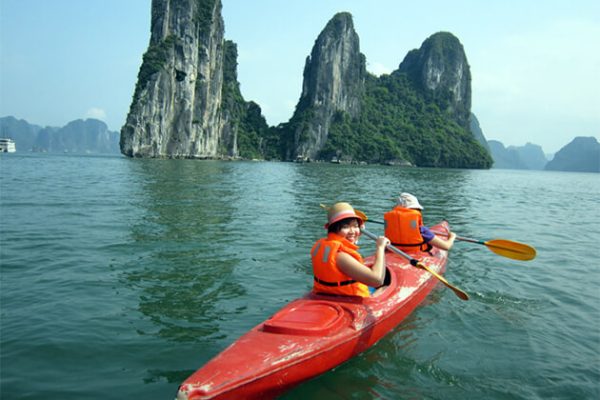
point(152, 62)
point(398, 124)
point(243, 117)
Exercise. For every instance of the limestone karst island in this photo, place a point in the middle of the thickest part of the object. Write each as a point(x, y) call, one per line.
point(187, 102)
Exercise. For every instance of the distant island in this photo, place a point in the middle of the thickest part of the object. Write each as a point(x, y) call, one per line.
point(92, 136)
point(79, 136)
point(530, 156)
point(582, 154)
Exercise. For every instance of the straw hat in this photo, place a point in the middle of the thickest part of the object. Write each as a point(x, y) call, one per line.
point(407, 200)
point(340, 211)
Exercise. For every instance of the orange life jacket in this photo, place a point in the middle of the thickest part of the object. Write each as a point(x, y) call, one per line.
point(327, 276)
point(402, 228)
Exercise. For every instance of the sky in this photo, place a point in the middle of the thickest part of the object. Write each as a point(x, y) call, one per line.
point(535, 64)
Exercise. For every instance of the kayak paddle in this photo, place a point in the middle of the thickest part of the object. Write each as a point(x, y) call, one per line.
point(502, 247)
point(506, 248)
point(416, 263)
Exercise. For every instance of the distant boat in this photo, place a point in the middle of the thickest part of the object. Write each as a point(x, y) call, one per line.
point(7, 145)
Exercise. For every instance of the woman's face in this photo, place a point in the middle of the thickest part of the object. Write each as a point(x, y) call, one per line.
point(350, 230)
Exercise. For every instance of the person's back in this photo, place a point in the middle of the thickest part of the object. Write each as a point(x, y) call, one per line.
point(404, 227)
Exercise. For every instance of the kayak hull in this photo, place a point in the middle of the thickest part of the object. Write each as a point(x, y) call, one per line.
point(312, 335)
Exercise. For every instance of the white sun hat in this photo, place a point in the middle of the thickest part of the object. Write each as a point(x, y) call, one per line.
point(409, 201)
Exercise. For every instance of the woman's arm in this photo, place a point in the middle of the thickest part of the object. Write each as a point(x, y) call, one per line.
point(442, 243)
point(373, 276)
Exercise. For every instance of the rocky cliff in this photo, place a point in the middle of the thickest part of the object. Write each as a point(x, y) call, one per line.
point(187, 101)
point(440, 68)
point(177, 109)
point(581, 155)
point(419, 115)
point(245, 131)
point(334, 76)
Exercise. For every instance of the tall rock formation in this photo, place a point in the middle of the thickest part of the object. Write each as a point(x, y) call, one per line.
point(176, 107)
point(187, 101)
point(245, 131)
point(418, 115)
point(581, 155)
point(440, 68)
point(334, 76)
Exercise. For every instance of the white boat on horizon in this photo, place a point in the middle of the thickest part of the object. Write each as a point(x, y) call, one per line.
point(7, 145)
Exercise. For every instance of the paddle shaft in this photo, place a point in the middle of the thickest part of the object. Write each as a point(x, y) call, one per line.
point(416, 263)
point(464, 239)
point(502, 247)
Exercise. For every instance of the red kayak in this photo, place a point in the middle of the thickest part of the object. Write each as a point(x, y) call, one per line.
point(313, 334)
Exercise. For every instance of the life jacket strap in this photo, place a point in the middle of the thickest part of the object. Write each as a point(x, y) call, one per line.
point(325, 283)
point(408, 245)
point(428, 246)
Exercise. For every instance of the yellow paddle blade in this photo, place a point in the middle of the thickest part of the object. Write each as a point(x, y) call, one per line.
point(361, 214)
point(510, 249)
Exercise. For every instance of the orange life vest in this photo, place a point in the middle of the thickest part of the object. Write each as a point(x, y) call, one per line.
point(327, 276)
point(402, 228)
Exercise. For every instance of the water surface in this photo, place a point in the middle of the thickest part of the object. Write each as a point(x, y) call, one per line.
point(120, 277)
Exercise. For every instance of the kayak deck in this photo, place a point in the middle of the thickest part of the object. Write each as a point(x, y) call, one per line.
point(312, 335)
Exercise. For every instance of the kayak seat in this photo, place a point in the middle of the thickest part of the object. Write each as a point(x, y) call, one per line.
point(308, 318)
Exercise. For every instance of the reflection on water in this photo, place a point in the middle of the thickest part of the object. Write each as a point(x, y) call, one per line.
point(182, 273)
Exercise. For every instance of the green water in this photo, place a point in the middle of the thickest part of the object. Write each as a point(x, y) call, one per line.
point(121, 277)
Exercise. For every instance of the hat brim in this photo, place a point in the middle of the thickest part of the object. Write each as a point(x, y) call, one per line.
point(346, 215)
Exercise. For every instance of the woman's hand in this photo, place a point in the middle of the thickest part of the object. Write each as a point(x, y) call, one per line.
point(382, 242)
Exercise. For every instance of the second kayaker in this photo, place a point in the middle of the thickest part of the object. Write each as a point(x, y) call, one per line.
point(404, 227)
point(338, 267)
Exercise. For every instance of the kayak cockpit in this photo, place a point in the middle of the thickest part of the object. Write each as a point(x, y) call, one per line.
point(308, 318)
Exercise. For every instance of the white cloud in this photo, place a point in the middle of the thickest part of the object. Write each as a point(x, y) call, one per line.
point(378, 69)
point(96, 113)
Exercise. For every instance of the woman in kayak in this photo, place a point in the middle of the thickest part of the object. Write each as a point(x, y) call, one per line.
point(404, 227)
point(338, 268)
